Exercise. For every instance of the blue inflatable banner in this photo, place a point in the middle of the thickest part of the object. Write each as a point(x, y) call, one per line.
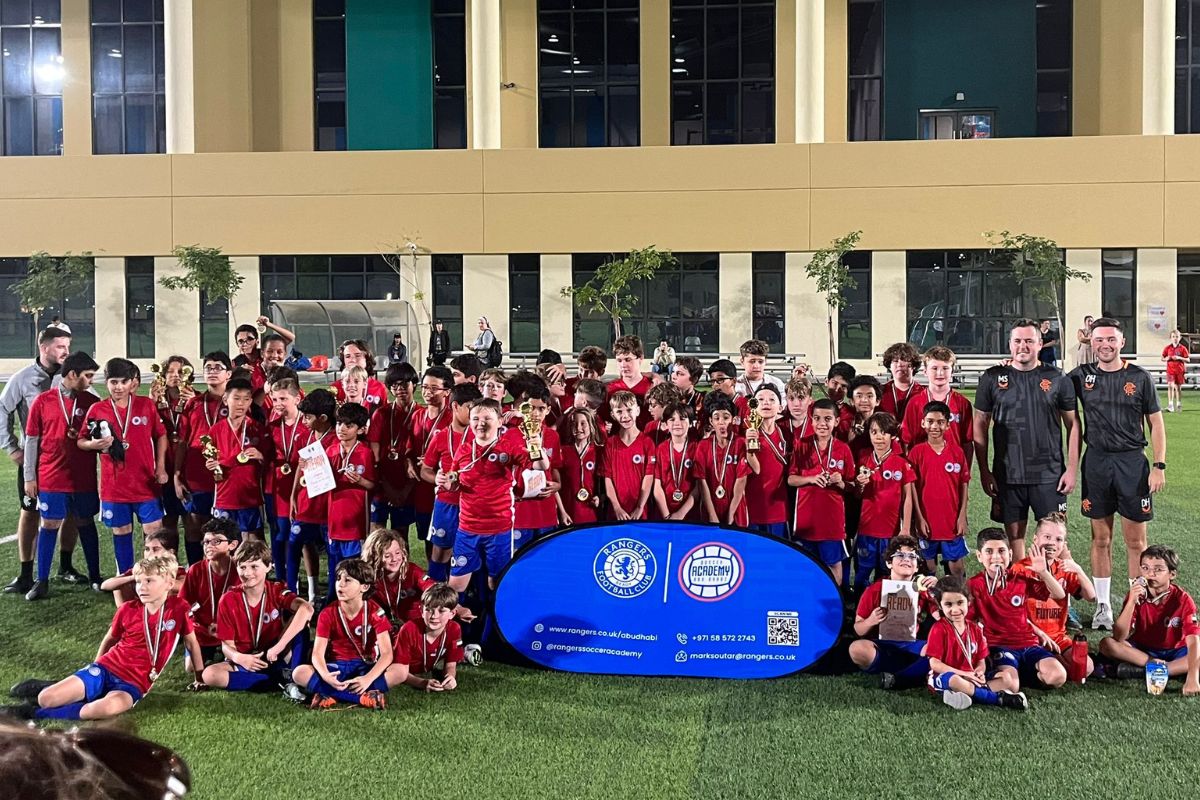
point(668, 598)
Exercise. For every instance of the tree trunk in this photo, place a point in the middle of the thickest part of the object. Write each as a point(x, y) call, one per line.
point(832, 340)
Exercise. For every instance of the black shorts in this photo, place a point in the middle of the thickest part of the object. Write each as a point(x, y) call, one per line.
point(27, 503)
point(1014, 501)
point(1117, 483)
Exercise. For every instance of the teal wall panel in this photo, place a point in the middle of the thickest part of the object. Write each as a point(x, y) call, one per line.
point(389, 75)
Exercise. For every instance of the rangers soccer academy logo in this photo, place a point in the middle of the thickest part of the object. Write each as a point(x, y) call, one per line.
point(711, 571)
point(625, 568)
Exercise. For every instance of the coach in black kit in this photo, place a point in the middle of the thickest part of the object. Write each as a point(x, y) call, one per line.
point(1027, 405)
point(1119, 400)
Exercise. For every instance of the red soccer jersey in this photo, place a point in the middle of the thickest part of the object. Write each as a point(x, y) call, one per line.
point(626, 465)
point(797, 431)
point(203, 587)
point(420, 435)
point(312, 510)
point(767, 492)
point(242, 483)
point(719, 468)
point(354, 637)
point(1002, 610)
point(1173, 351)
point(1044, 611)
point(200, 414)
point(639, 389)
point(62, 466)
point(486, 474)
point(895, 400)
point(1166, 622)
point(872, 597)
point(957, 650)
point(412, 646)
point(674, 471)
point(400, 596)
point(959, 431)
point(657, 432)
point(582, 471)
point(287, 441)
point(390, 428)
point(941, 480)
point(537, 513)
point(374, 397)
point(145, 641)
point(254, 628)
point(350, 503)
point(138, 425)
point(440, 455)
point(821, 512)
point(883, 497)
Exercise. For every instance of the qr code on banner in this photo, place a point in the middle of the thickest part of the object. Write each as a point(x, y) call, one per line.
point(783, 628)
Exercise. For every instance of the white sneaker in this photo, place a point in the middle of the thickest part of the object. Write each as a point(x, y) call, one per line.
point(294, 693)
point(959, 701)
point(473, 655)
point(1102, 620)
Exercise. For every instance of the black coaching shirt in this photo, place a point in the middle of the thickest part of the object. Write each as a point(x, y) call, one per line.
point(1026, 427)
point(1115, 405)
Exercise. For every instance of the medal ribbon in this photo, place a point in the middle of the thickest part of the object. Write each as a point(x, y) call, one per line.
point(262, 609)
point(964, 641)
point(289, 444)
point(153, 648)
point(677, 475)
point(212, 596)
point(393, 435)
point(441, 650)
point(70, 418)
point(361, 649)
point(780, 451)
point(582, 460)
point(345, 458)
point(123, 426)
point(724, 460)
point(997, 583)
point(477, 458)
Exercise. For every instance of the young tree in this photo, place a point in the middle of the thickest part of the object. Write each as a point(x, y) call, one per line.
point(207, 270)
point(611, 289)
point(1037, 263)
point(833, 279)
point(49, 279)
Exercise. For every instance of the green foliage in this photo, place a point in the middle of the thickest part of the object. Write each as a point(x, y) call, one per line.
point(206, 269)
point(1037, 263)
point(49, 279)
point(832, 276)
point(610, 291)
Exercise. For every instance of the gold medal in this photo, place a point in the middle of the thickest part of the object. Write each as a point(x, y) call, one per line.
point(720, 493)
point(285, 469)
point(72, 433)
point(393, 455)
point(677, 496)
point(242, 458)
point(582, 494)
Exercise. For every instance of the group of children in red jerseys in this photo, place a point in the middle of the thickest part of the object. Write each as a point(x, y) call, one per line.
point(884, 468)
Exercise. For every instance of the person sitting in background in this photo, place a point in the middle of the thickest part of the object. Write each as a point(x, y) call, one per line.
point(398, 352)
point(664, 357)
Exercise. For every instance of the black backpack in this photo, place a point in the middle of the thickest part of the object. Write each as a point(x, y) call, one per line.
point(495, 354)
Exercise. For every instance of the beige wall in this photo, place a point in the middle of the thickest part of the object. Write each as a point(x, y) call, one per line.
point(485, 294)
point(837, 69)
point(556, 314)
point(1156, 286)
point(1082, 297)
point(176, 315)
point(110, 296)
point(518, 105)
point(77, 85)
point(655, 68)
point(735, 285)
point(221, 88)
point(1107, 67)
point(785, 71)
point(889, 288)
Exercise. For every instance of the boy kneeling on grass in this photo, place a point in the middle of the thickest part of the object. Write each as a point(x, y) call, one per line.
point(134, 652)
point(1157, 623)
point(251, 627)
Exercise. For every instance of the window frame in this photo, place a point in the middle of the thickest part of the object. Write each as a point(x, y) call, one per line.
point(448, 267)
point(859, 265)
point(159, 94)
point(33, 96)
point(762, 265)
point(1128, 322)
point(438, 12)
point(319, 88)
point(135, 327)
point(519, 317)
point(866, 78)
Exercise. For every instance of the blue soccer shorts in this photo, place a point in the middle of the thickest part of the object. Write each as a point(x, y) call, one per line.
point(247, 519)
point(200, 503)
point(828, 553)
point(1023, 659)
point(120, 515)
point(98, 681)
point(443, 528)
point(60, 505)
point(472, 551)
point(952, 550)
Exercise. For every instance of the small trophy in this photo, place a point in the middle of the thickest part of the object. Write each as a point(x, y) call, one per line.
point(185, 382)
point(532, 430)
point(754, 421)
point(210, 452)
point(159, 384)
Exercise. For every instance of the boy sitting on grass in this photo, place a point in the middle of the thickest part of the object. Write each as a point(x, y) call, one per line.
point(428, 650)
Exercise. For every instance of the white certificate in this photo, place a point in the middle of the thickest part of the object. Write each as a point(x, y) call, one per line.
point(900, 600)
point(317, 472)
point(535, 482)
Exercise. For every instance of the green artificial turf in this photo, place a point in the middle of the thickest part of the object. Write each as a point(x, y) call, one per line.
point(515, 733)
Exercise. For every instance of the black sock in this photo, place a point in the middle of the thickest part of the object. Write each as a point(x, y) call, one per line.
point(27, 570)
point(64, 560)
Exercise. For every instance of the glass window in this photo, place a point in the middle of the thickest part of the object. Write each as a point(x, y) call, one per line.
point(450, 74)
point(448, 297)
point(767, 270)
point(214, 325)
point(139, 307)
point(722, 71)
point(31, 78)
point(128, 77)
point(966, 300)
point(363, 277)
point(588, 69)
point(329, 67)
point(854, 321)
point(17, 327)
point(1187, 66)
point(525, 303)
point(865, 30)
point(680, 305)
point(1118, 292)
point(1054, 42)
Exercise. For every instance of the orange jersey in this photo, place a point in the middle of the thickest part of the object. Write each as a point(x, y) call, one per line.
point(1044, 611)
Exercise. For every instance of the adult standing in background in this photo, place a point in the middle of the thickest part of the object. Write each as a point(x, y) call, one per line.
point(54, 345)
point(1119, 401)
point(398, 352)
point(439, 344)
point(483, 342)
point(1048, 355)
point(1083, 348)
point(664, 358)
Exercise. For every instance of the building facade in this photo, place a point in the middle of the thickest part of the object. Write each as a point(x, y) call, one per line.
point(518, 143)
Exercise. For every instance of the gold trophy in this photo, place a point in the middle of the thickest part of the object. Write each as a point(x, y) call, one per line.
point(185, 382)
point(210, 451)
point(531, 429)
point(754, 421)
point(159, 383)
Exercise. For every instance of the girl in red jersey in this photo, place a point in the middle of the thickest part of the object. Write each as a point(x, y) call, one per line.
point(1177, 356)
point(582, 474)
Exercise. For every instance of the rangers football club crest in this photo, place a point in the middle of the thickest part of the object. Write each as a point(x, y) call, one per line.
point(1045, 384)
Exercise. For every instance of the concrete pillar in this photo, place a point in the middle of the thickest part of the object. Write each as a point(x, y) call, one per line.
point(246, 305)
point(181, 104)
point(558, 314)
point(1083, 298)
point(296, 92)
point(810, 71)
point(519, 105)
point(486, 73)
point(735, 288)
point(1157, 287)
point(785, 70)
point(1158, 67)
point(110, 301)
point(889, 293)
point(77, 82)
point(654, 57)
point(176, 314)
point(805, 330)
point(485, 294)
